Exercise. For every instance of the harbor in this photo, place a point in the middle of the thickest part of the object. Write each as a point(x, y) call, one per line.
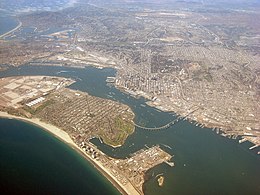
point(200, 149)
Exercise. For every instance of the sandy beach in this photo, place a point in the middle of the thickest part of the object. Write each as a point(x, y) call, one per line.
point(63, 136)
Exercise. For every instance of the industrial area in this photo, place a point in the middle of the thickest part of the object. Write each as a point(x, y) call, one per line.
point(15, 91)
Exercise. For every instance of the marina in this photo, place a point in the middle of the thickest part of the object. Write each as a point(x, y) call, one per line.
point(191, 145)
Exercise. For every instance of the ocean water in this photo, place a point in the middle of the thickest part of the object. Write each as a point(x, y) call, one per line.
point(34, 162)
point(205, 163)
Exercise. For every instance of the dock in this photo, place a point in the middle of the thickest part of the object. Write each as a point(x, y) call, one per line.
point(171, 164)
point(110, 79)
point(254, 146)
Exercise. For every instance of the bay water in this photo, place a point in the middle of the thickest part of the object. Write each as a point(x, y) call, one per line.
point(205, 163)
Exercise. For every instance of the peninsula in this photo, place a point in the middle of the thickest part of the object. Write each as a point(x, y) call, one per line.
point(179, 59)
point(76, 117)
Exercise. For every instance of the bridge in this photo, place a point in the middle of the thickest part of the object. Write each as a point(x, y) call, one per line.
point(166, 126)
point(159, 128)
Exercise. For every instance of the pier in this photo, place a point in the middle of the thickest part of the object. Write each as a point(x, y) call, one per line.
point(254, 146)
point(171, 164)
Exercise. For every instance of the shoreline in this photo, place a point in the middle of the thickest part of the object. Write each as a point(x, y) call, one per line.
point(12, 30)
point(66, 139)
point(222, 130)
point(148, 101)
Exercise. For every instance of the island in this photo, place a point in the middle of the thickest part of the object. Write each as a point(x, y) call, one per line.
point(160, 180)
point(75, 117)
